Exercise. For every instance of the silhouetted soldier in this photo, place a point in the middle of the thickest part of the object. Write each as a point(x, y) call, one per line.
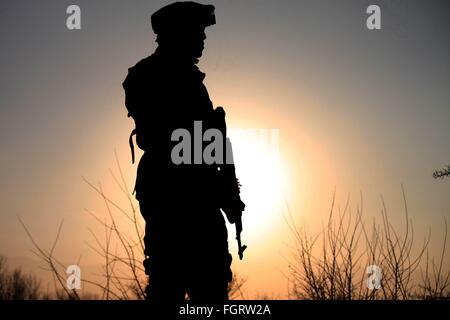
point(186, 237)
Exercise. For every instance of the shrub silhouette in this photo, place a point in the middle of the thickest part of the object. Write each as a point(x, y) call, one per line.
point(15, 285)
point(332, 264)
point(123, 274)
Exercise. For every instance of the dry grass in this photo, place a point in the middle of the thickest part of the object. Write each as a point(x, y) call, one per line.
point(15, 285)
point(123, 275)
point(332, 264)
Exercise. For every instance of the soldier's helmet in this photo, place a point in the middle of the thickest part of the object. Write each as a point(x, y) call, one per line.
point(179, 16)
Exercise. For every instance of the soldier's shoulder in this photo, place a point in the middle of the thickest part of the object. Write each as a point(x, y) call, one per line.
point(145, 64)
point(145, 68)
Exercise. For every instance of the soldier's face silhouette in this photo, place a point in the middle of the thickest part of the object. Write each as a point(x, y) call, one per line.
point(189, 42)
point(197, 43)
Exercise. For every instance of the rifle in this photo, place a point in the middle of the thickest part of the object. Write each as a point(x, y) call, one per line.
point(233, 205)
point(230, 199)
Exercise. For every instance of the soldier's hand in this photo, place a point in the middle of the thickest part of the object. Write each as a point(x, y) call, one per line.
point(234, 213)
point(233, 216)
point(220, 111)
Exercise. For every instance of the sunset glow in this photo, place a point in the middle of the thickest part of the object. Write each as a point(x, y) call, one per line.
point(315, 104)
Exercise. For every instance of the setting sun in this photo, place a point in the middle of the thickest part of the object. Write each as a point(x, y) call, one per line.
point(262, 176)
